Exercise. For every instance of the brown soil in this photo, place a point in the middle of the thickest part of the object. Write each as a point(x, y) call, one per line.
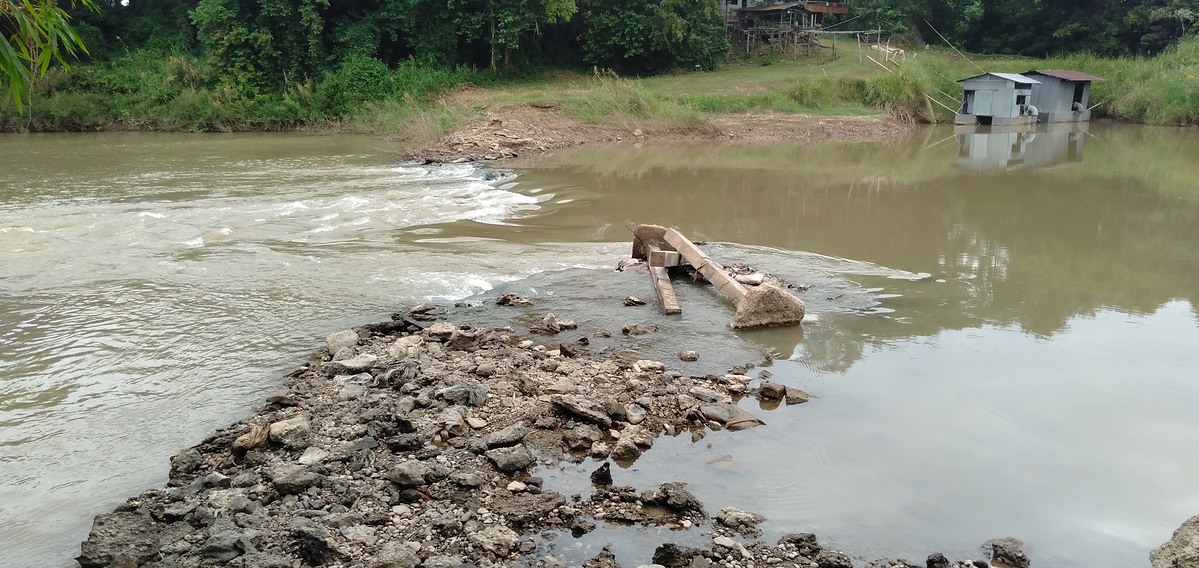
point(532, 129)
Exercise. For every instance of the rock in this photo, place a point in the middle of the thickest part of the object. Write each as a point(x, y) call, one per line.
point(496, 539)
point(936, 560)
point(339, 340)
point(395, 555)
point(225, 546)
point(265, 560)
point(626, 449)
point(465, 393)
point(289, 479)
point(467, 479)
point(475, 422)
point(688, 356)
point(605, 559)
point(294, 432)
point(453, 420)
point(638, 329)
point(352, 366)
point(633, 301)
point(312, 455)
point(314, 545)
point(517, 487)
point(444, 562)
point(648, 366)
point(772, 391)
point(730, 416)
point(526, 509)
point(796, 396)
point(410, 473)
point(462, 341)
point(736, 518)
point(1007, 553)
point(509, 436)
point(119, 534)
point(1182, 550)
point(672, 555)
point(833, 559)
point(583, 408)
point(361, 533)
point(602, 475)
point(803, 543)
point(673, 496)
point(511, 460)
point(441, 331)
point(405, 347)
point(511, 299)
point(635, 413)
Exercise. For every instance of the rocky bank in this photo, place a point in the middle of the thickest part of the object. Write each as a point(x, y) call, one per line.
point(411, 443)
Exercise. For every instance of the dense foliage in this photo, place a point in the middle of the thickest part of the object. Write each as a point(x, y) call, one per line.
point(231, 64)
point(1037, 28)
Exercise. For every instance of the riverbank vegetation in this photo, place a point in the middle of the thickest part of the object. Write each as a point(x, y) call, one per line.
point(388, 65)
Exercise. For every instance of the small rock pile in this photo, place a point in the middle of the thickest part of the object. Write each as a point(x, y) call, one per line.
point(409, 444)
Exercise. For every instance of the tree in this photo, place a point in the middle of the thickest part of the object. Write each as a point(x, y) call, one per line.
point(36, 33)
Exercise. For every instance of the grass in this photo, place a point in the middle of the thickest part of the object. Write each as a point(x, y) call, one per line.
point(159, 91)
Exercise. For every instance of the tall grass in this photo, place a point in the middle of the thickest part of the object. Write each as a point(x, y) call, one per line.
point(608, 98)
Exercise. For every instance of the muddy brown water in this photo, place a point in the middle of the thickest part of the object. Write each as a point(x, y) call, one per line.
point(1005, 345)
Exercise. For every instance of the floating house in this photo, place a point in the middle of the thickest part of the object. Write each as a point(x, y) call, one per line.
point(1062, 96)
point(998, 99)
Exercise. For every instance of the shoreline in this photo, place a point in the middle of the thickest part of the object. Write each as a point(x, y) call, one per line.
point(529, 130)
point(411, 443)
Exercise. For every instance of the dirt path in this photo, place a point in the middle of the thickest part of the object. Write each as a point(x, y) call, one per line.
point(528, 130)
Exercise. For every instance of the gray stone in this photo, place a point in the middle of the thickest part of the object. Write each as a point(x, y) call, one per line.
point(527, 509)
point(730, 416)
point(410, 473)
point(117, 534)
point(833, 559)
point(636, 413)
point(496, 539)
point(443, 562)
point(339, 340)
point(1007, 553)
point(467, 479)
point(511, 460)
point(225, 546)
point(441, 330)
point(626, 449)
point(361, 533)
point(796, 396)
point(395, 555)
point(351, 391)
point(772, 391)
point(405, 347)
point(583, 408)
point(352, 366)
point(1182, 550)
point(937, 560)
point(292, 478)
point(294, 432)
point(689, 356)
point(803, 543)
point(312, 455)
point(509, 436)
point(735, 518)
point(670, 555)
point(674, 497)
point(266, 560)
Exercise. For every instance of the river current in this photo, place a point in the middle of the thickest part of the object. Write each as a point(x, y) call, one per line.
point(1026, 366)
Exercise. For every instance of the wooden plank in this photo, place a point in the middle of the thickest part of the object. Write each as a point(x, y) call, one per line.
point(662, 285)
point(715, 274)
point(667, 258)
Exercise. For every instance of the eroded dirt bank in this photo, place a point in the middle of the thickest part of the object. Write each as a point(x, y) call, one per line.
point(529, 130)
point(414, 442)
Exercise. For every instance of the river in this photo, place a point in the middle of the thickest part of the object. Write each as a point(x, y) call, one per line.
point(1026, 366)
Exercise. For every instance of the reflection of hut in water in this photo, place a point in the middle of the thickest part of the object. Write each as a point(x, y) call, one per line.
point(1062, 96)
point(1020, 148)
point(998, 99)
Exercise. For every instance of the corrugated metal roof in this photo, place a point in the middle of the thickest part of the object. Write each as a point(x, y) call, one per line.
point(1066, 75)
point(1013, 77)
point(771, 7)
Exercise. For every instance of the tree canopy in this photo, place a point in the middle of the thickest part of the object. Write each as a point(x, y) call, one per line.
point(35, 32)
